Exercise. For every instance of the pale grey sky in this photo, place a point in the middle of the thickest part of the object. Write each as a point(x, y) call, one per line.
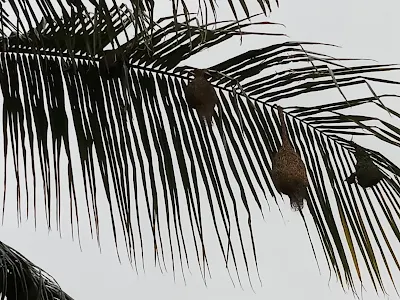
point(286, 262)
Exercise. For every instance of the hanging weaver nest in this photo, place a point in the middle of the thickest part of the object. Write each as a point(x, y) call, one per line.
point(69, 67)
point(112, 64)
point(289, 173)
point(367, 174)
point(201, 96)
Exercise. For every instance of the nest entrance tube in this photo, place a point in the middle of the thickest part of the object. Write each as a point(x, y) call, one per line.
point(201, 96)
point(289, 173)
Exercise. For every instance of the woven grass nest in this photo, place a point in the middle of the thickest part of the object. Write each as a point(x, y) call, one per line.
point(289, 173)
point(367, 174)
point(201, 96)
point(112, 64)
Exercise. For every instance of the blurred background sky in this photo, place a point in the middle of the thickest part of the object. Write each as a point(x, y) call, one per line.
point(363, 29)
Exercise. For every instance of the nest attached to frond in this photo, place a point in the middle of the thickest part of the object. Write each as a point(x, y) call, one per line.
point(289, 173)
point(367, 174)
point(201, 96)
point(112, 64)
point(69, 67)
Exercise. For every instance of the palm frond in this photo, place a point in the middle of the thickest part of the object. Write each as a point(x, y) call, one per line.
point(96, 20)
point(153, 152)
point(75, 37)
point(20, 278)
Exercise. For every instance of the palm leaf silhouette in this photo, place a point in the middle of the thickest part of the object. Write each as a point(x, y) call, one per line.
point(20, 278)
point(153, 151)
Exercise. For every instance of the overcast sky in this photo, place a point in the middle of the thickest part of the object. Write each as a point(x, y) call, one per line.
point(366, 29)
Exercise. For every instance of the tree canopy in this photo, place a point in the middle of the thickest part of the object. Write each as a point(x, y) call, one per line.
point(66, 78)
